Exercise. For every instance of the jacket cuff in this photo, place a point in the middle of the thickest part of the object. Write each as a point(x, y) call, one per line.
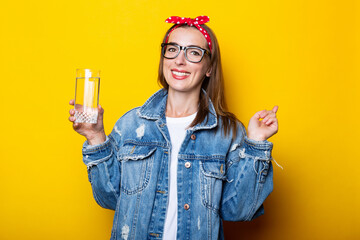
point(94, 154)
point(260, 149)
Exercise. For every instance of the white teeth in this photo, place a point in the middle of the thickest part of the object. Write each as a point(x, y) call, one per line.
point(180, 73)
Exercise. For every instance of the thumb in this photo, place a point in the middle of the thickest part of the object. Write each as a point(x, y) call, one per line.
point(101, 112)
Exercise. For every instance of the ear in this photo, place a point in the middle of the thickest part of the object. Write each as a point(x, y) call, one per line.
point(208, 73)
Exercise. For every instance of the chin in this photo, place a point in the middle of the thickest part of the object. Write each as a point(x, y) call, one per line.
point(183, 89)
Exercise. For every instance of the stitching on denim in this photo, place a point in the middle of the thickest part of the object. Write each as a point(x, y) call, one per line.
point(209, 205)
point(263, 172)
point(109, 182)
point(135, 218)
point(209, 223)
point(258, 146)
point(134, 156)
point(116, 219)
point(259, 187)
point(201, 157)
point(97, 199)
point(144, 143)
point(115, 143)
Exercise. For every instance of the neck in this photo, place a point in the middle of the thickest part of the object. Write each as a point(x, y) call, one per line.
point(182, 104)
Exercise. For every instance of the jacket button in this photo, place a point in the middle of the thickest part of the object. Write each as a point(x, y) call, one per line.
point(186, 206)
point(193, 137)
point(187, 164)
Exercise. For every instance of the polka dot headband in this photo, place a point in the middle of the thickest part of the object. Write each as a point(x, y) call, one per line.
point(179, 21)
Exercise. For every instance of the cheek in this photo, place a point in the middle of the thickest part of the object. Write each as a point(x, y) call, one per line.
point(204, 70)
point(165, 68)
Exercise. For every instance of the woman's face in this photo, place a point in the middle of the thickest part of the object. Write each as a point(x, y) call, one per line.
point(180, 74)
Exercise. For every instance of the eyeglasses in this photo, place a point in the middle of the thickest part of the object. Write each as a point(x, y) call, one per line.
point(192, 54)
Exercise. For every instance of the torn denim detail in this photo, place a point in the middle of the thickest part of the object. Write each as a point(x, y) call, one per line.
point(234, 147)
point(140, 131)
point(267, 159)
point(117, 130)
point(125, 232)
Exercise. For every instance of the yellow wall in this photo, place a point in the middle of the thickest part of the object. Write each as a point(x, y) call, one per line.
point(301, 55)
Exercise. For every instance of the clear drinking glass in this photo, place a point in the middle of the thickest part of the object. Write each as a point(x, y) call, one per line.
point(87, 95)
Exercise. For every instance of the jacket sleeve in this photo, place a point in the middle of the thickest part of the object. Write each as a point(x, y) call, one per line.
point(249, 178)
point(104, 170)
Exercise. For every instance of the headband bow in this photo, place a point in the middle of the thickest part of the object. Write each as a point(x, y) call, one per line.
point(178, 21)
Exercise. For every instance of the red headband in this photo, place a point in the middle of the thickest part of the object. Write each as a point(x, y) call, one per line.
point(178, 21)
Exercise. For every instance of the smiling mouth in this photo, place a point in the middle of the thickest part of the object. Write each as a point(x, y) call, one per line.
point(180, 74)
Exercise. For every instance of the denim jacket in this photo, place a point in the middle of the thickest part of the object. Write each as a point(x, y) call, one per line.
point(218, 177)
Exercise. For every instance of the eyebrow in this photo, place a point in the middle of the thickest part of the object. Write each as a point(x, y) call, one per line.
point(187, 45)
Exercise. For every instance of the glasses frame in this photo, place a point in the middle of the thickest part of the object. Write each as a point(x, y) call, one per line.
point(204, 51)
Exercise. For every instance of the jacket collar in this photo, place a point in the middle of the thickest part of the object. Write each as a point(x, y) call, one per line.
point(154, 109)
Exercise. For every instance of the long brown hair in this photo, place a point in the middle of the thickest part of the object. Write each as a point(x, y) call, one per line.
point(213, 85)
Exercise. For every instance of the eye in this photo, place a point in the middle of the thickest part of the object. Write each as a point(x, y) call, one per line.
point(171, 49)
point(195, 52)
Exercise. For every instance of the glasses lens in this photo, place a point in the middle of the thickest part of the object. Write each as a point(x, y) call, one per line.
point(170, 51)
point(194, 54)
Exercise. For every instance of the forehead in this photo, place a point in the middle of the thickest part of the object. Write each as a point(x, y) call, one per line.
point(188, 36)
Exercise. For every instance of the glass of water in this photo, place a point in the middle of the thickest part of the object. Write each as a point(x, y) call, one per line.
point(87, 95)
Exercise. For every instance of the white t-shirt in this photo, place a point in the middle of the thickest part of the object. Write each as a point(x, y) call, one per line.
point(177, 130)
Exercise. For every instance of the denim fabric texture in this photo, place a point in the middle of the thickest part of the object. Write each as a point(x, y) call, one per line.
point(219, 178)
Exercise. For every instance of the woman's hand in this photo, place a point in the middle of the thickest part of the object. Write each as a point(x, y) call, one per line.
point(261, 130)
point(94, 133)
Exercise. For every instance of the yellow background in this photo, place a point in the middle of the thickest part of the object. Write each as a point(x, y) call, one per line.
point(301, 55)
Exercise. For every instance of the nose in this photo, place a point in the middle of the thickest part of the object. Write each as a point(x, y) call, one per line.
point(180, 59)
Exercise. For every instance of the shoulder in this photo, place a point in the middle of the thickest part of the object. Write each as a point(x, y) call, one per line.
point(130, 115)
point(131, 120)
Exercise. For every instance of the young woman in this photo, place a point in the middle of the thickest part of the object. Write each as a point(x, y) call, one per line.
point(177, 166)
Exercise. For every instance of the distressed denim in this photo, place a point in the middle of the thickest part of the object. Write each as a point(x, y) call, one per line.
point(218, 177)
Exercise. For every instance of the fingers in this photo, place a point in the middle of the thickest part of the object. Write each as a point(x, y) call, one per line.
point(270, 114)
point(72, 119)
point(271, 117)
point(72, 111)
point(270, 121)
point(264, 113)
point(275, 108)
point(268, 117)
point(76, 126)
point(260, 114)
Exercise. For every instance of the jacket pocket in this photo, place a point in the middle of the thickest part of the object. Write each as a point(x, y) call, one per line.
point(136, 164)
point(211, 180)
